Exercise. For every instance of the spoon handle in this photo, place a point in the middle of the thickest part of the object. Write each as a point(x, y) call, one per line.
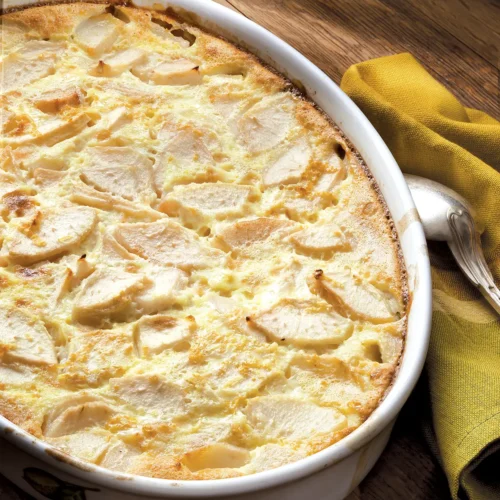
point(466, 248)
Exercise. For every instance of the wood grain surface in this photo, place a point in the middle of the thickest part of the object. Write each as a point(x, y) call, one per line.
point(458, 42)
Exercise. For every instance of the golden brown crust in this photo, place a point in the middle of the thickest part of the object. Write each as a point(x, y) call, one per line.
point(20, 414)
point(161, 466)
point(49, 19)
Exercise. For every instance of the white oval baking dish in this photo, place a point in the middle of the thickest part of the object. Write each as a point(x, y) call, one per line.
point(331, 474)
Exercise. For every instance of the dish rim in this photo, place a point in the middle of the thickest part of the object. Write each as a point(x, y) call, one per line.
point(268, 46)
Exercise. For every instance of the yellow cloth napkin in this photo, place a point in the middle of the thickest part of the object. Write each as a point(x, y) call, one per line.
point(432, 135)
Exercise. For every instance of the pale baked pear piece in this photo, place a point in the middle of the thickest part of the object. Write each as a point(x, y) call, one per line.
point(271, 455)
point(266, 123)
point(163, 291)
point(167, 243)
point(117, 63)
point(336, 173)
point(218, 200)
point(74, 270)
point(184, 155)
point(52, 101)
point(119, 456)
point(12, 34)
point(79, 417)
point(375, 343)
point(177, 72)
point(321, 238)
point(150, 393)
point(35, 60)
point(121, 171)
point(83, 194)
point(184, 144)
point(248, 232)
point(24, 338)
point(356, 297)
point(162, 71)
point(113, 251)
point(51, 131)
point(53, 232)
point(45, 177)
point(216, 456)
point(36, 49)
point(89, 444)
point(284, 417)
point(288, 168)
point(57, 130)
point(302, 322)
point(15, 374)
point(332, 381)
point(244, 364)
point(105, 292)
point(154, 334)
point(98, 33)
point(74, 413)
point(96, 356)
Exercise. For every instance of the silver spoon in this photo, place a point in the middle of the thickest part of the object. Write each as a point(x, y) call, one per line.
point(446, 216)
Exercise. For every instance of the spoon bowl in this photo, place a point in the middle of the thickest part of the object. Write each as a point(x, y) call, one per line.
point(434, 201)
point(447, 216)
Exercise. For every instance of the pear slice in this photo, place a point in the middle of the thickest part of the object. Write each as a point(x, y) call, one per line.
point(76, 413)
point(159, 71)
point(290, 167)
point(154, 334)
point(18, 72)
point(89, 445)
point(25, 339)
point(167, 243)
point(321, 238)
point(216, 199)
point(51, 131)
point(167, 283)
point(106, 291)
point(121, 171)
point(97, 34)
point(266, 123)
point(54, 232)
point(303, 322)
point(116, 64)
point(53, 101)
point(216, 456)
point(96, 356)
point(151, 393)
point(246, 233)
point(357, 298)
point(179, 72)
point(282, 417)
point(34, 60)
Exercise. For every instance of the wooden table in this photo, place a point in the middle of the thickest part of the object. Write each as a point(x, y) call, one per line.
point(458, 42)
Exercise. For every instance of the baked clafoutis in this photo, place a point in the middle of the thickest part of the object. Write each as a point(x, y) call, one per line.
point(199, 278)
